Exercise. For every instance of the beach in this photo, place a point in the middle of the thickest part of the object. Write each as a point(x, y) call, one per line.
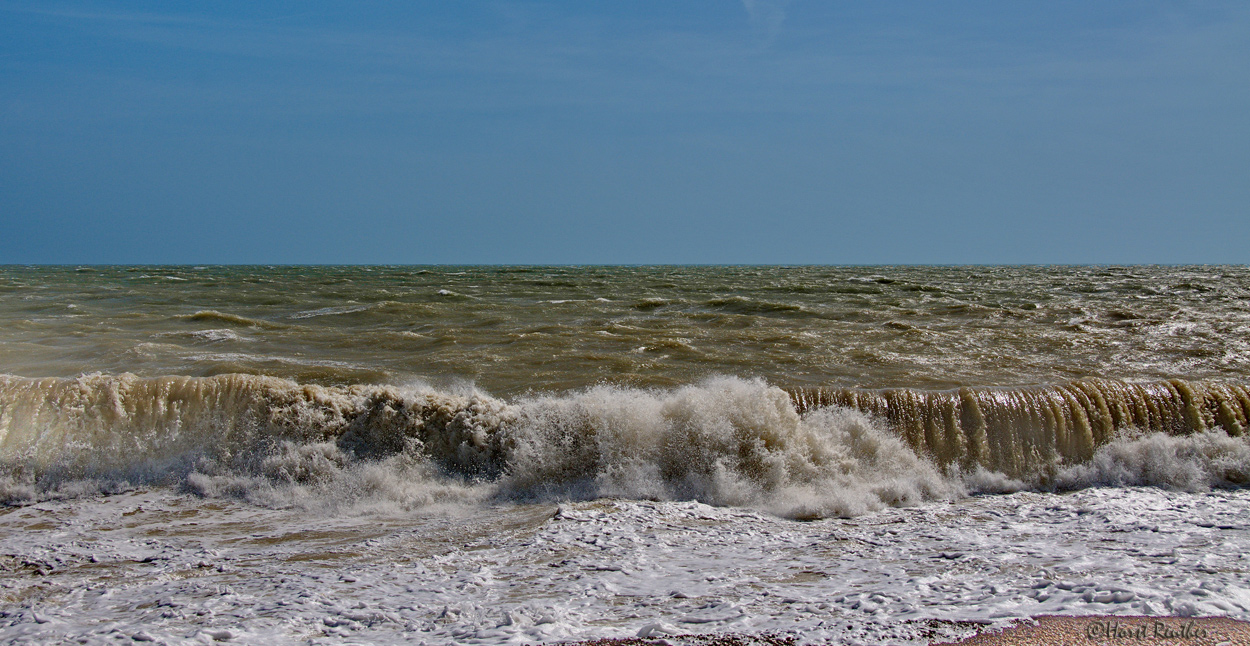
point(540, 455)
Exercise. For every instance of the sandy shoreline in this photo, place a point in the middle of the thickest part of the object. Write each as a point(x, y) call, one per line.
point(1049, 630)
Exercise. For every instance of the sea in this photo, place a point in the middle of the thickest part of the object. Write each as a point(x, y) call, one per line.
point(534, 454)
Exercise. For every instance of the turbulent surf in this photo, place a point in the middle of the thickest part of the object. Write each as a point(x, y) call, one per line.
point(724, 441)
point(469, 399)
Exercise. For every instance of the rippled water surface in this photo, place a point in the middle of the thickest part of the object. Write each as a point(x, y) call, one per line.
point(513, 330)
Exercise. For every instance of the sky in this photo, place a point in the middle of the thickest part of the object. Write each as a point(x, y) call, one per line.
point(650, 131)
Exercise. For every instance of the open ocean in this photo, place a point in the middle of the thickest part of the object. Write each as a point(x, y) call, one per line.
point(489, 455)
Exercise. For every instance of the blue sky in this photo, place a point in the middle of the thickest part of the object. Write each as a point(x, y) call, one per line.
point(625, 132)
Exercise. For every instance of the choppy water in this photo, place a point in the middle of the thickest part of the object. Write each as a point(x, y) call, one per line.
point(409, 393)
point(512, 330)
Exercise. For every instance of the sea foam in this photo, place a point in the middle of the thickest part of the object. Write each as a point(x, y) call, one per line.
point(724, 441)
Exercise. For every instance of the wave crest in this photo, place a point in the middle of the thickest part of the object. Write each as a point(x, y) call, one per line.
point(725, 441)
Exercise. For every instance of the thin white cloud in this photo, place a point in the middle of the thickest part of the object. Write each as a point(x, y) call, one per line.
point(767, 16)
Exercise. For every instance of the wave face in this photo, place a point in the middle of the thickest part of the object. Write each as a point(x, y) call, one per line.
point(1023, 432)
point(725, 441)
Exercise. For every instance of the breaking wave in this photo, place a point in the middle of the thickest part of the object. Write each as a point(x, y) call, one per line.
point(725, 441)
point(1032, 431)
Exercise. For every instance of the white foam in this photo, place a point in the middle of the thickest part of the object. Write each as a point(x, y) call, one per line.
point(212, 335)
point(726, 442)
point(330, 311)
point(1195, 462)
point(175, 567)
